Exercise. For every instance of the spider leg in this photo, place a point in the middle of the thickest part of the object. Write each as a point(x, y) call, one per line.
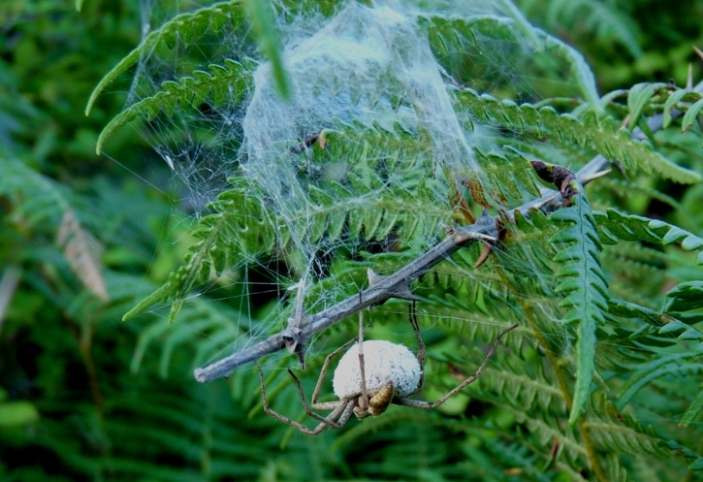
point(334, 406)
point(421, 351)
point(342, 409)
point(325, 366)
point(429, 405)
point(346, 413)
point(364, 398)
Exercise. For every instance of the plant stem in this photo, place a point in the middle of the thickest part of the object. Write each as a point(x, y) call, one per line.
point(385, 287)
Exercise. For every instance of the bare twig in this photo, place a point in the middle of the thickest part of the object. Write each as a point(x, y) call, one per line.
point(385, 287)
point(397, 285)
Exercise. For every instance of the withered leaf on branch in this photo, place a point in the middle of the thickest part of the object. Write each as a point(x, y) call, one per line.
point(564, 179)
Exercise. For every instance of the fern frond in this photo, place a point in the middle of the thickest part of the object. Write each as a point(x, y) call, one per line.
point(40, 199)
point(626, 309)
point(585, 288)
point(547, 429)
point(394, 417)
point(615, 431)
point(239, 229)
point(601, 135)
point(685, 296)
point(217, 325)
point(634, 263)
point(188, 427)
point(516, 455)
point(670, 365)
point(642, 95)
point(451, 38)
point(508, 171)
point(691, 115)
point(678, 100)
point(513, 383)
point(638, 98)
point(616, 470)
point(223, 83)
point(570, 457)
point(693, 410)
point(623, 188)
point(380, 194)
point(601, 20)
point(187, 26)
point(614, 226)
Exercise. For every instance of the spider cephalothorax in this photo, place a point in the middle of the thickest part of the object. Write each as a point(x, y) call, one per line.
point(369, 379)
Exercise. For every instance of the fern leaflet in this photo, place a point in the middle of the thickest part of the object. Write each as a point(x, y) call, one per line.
point(583, 283)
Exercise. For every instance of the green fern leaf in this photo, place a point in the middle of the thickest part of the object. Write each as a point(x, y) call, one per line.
point(42, 200)
point(618, 432)
point(586, 289)
point(671, 365)
point(218, 322)
point(187, 91)
point(515, 455)
point(691, 114)
point(508, 172)
point(450, 38)
point(602, 135)
point(673, 101)
point(623, 186)
point(213, 232)
point(638, 97)
point(189, 26)
point(626, 309)
point(614, 225)
point(523, 390)
point(684, 297)
point(693, 410)
point(363, 204)
point(547, 428)
point(604, 22)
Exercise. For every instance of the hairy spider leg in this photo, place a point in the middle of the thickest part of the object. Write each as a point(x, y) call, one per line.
point(342, 411)
point(430, 405)
point(329, 419)
point(421, 350)
point(323, 371)
point(364, 399)
point(316, 393)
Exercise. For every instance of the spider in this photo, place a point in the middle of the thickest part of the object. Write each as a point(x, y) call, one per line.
point(369, 386)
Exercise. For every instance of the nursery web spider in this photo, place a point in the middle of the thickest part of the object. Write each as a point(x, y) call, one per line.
point(377, 388)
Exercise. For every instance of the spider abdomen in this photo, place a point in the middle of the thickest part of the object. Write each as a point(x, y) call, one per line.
point(384, 362)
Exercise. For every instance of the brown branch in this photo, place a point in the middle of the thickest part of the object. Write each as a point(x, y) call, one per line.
point(384, 288)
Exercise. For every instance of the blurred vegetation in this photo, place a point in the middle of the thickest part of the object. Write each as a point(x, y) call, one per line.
point(626, 42)
point(84, 396)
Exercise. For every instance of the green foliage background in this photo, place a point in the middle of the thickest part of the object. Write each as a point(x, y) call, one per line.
point(84, 396)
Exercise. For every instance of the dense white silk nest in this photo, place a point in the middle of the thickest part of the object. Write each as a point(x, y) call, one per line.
point(383, 362)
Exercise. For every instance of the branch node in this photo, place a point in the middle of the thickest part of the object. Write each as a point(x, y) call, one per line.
point(295, 343)
point(401, 290)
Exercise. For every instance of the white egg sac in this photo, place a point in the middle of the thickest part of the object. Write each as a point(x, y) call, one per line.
point(383, 362)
